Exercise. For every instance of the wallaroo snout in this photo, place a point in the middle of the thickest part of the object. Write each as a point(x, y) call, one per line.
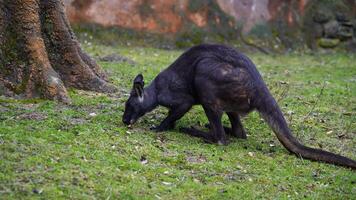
point(221, 80)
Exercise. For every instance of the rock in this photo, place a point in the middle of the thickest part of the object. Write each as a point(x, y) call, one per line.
point(321, 17)
point(345, 32)
point(331, 29)
point(347, 23)
point(328, 43)
point(341, 17)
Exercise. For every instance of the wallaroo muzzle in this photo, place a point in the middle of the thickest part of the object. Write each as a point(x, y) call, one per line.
point(128, 121)
point(135, 106)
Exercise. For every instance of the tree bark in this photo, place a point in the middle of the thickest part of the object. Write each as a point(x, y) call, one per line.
point(40, 55)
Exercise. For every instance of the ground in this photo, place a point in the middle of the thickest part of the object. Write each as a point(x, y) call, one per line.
point(50, 150)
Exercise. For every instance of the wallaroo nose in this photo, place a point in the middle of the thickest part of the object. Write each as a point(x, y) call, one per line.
point(126, 121)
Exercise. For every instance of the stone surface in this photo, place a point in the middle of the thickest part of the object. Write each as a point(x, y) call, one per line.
point(322, 17)
point(331, 29)
point(168, 16)
point(291, 22)
point(154, 16)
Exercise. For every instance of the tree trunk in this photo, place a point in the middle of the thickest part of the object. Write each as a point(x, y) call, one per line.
point(40, 55)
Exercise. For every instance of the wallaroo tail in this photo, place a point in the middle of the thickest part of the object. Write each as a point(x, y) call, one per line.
point(274, 118)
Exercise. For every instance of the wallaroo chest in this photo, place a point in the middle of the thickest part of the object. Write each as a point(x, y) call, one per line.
point(221, 80)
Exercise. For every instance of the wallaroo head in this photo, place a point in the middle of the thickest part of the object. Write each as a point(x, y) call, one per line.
point(135, 106)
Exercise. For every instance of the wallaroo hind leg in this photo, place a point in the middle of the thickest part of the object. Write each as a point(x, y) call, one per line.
point(237, 129)
point(217, 132)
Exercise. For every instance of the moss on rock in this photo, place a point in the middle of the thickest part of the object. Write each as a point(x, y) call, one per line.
point(328, 43)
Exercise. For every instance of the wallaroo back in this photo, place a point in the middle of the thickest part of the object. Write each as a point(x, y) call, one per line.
point(220, 79)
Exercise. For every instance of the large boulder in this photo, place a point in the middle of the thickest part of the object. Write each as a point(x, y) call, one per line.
point(331, 29)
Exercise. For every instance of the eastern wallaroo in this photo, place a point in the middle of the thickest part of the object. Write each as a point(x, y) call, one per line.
point(221, 79)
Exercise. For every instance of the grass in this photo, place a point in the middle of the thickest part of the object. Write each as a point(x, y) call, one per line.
point(83, 150)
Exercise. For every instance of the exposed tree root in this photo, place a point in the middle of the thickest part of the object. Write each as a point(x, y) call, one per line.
point(46, 57)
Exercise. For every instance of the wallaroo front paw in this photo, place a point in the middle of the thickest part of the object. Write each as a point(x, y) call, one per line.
point(156, 129)
point(160, 128)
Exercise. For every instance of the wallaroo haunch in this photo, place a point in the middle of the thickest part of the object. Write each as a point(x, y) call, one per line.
point(220, 79)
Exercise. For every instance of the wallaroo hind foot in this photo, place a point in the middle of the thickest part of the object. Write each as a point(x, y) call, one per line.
point(239, 133)
point(208, 137)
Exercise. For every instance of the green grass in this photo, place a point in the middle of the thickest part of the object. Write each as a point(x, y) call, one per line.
point(54, 151)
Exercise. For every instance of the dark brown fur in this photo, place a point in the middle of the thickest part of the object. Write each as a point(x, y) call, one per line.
point(221, 80)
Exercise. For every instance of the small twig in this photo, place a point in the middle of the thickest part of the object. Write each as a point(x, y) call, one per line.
point(284, 93)
point(348, 127)
point(317, 100)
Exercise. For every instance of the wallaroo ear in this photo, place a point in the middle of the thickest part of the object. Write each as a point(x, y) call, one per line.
point(138, 84)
